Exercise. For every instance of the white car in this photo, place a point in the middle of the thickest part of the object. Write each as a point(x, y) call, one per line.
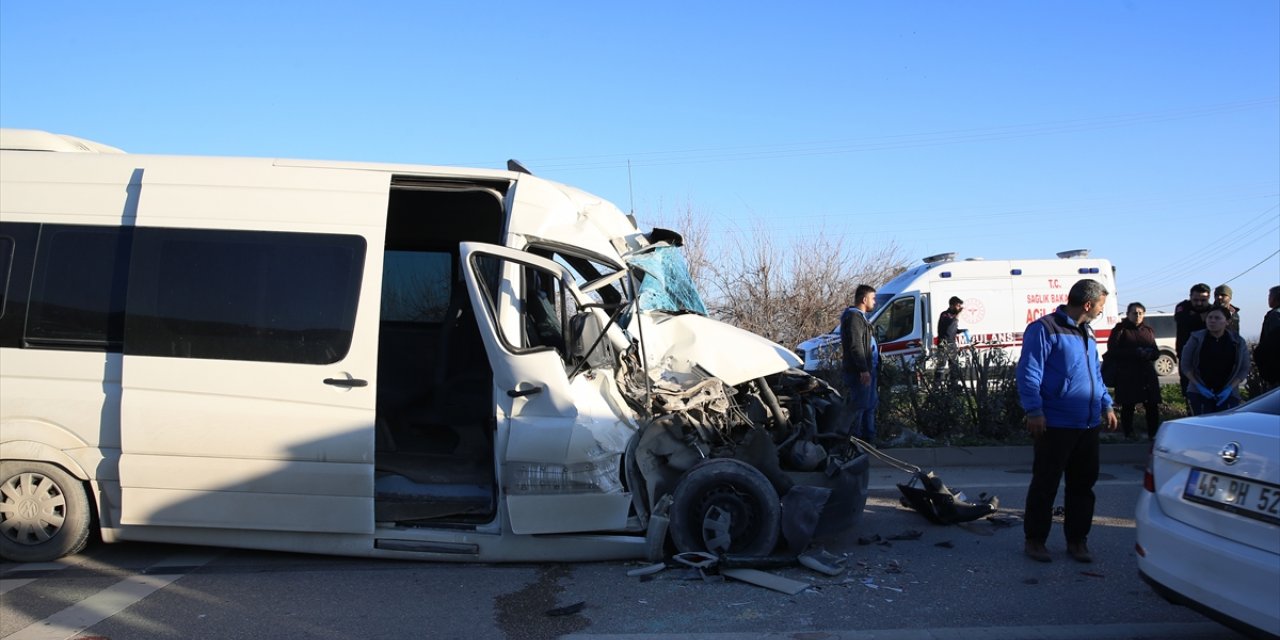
point(1208, 524)
point(1166, 330)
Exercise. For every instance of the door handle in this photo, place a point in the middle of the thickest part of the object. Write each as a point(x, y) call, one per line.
point(346, 382)
point(520, 393)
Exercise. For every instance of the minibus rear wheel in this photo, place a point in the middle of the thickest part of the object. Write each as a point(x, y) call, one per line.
point(724, 505)
point(44, 512)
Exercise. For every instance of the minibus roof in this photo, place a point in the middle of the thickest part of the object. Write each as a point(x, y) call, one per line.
point(33, 140)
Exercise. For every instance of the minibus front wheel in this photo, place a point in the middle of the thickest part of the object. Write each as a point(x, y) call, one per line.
point(724, 505)
point(44, 512)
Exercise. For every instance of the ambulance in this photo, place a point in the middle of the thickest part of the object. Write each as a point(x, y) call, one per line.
point(1001, 297)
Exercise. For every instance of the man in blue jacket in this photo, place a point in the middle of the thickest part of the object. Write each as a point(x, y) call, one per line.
point(1060, 386)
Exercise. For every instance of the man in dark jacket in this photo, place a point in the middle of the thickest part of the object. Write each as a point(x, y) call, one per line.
point(1188, 316)
point(1267, 354)
point(948, 326)
point(1060, 387)
point(860, 360)
point(949, 321)
point(1222, 298)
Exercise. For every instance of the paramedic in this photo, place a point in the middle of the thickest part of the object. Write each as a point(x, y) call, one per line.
point(948, 324)
point(861, 357)
point(1060, 387)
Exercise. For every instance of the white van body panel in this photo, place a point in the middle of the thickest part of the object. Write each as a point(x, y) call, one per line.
point(1001, 297)
point(723, 350)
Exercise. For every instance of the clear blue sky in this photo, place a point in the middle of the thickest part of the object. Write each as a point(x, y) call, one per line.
point(1145, 130)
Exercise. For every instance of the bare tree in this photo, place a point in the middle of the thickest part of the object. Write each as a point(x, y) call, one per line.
point(786, 293)
point(697, 240)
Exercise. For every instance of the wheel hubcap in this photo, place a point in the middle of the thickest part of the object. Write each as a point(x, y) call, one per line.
point(728, 517)
point(32, 508)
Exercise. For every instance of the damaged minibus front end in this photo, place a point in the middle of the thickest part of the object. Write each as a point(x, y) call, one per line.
point(671, 424)
point(738, 451)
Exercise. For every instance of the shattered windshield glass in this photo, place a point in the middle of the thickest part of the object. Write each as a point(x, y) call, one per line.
point(666, 284)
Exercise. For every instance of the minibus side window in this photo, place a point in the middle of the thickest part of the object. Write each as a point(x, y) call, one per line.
point(6, 269)
point(543, 304)
point(544, 311)
point(587, 271)
point(416, 286)
point(243, 295)
point(78, 288)
point(17, 253)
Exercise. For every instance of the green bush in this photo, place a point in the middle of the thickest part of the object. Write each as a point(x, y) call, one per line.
point(976, 403)
point(972, 399)
point(1172, 404)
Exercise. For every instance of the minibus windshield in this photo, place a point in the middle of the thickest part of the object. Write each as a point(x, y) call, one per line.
point(665, 282)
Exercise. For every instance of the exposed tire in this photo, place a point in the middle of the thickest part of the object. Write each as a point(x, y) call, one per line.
point(1166, 365)
point(44, 512)
point(725, 506)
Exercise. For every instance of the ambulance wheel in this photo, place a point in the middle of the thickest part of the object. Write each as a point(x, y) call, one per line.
point(44, 512)
point(725, 506)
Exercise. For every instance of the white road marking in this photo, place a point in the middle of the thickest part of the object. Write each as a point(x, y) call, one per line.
point(9, 584)
point(70, 621)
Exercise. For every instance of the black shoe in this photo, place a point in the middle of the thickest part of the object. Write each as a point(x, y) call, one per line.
point(1079, 551)
point(1037, 551)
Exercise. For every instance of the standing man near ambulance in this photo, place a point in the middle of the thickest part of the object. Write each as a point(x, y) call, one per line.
point(1060, 387)
point(861, 358)
point(947, 328)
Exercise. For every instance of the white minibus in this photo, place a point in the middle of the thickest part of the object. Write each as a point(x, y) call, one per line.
point(381, 360)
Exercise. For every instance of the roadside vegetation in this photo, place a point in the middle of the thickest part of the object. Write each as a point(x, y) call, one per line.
point(790, 291)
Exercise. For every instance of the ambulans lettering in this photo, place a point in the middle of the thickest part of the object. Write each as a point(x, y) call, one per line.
point(995, 338)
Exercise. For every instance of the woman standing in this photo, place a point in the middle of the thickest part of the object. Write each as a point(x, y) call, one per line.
point(1216, 363)
point(1132, 346)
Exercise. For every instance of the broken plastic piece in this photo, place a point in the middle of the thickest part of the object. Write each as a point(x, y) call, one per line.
point(569, 610)
point(644, 571)
point(655, 536)
point(823, 562)
point(757, 562)
point(696, 559)
point(766, 580)
point(939, 503)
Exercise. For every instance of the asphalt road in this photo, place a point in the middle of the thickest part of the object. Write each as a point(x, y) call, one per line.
point(967, 581)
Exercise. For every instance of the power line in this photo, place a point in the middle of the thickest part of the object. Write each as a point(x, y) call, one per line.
point(1247, 233)
point(715, 154)
point(1273, 254)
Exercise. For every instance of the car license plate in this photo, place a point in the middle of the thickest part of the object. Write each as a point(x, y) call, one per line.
point(1246, 497)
